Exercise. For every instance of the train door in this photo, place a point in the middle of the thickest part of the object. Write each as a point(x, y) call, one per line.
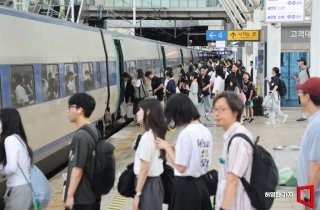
point(289, 67)
point(120, 72)
point(182, 59)
point(163, 57)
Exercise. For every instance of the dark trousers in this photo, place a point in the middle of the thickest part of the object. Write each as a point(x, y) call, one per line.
point(94, 206)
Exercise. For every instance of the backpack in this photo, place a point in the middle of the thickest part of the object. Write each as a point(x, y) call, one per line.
point(254, 94)
point(264, 175)
point(282, 89)
point(104, 168)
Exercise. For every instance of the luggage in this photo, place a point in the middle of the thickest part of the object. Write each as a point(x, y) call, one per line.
point(257, 106)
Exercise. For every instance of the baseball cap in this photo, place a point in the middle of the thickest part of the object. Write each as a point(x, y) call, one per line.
point(311, 86)
point(302, 59)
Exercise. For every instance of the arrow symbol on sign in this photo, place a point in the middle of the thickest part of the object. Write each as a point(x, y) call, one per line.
point(212, 35)
point(233, 35)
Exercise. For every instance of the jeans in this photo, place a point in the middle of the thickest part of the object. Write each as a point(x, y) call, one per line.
point(206, 101)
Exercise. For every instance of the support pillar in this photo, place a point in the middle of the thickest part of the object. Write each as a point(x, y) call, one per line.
point(273, 47)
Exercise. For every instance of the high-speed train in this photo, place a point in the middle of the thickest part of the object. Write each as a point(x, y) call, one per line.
point(40, 56)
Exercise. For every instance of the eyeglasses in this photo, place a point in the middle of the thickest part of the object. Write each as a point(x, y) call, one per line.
point(73, 106)
point(220, 110)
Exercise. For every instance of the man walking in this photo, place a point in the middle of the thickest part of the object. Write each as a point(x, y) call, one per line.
point(156, 84)
point(303, 76)
point(79, 194)
point(309, 159)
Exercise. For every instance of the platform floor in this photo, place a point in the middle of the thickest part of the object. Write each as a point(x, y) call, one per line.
point(289, 133)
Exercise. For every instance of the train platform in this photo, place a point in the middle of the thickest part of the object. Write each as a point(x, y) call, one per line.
point(271, 136)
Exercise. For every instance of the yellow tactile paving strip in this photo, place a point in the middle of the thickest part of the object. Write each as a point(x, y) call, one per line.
point(117, 203)
point(125, 144)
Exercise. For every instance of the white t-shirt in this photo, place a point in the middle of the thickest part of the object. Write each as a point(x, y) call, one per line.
point(218, 85)
point(15, 153)
point(138, 83)
point(21, 95)
point(194, 150)
point(71, 86)
point(147, 151)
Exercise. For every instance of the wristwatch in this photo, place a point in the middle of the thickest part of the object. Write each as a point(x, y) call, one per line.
point(138, 194)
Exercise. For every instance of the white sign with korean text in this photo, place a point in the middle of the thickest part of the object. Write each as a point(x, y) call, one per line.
point(284, 10)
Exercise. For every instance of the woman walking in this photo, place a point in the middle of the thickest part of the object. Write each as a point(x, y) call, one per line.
point(274, 84)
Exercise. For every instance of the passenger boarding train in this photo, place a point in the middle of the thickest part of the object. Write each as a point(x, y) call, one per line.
point(43, 60)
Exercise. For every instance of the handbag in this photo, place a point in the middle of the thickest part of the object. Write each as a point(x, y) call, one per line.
point(39, 185)
point(140, 92)
point(211, 180)
point(126, 182)
point(167, 178)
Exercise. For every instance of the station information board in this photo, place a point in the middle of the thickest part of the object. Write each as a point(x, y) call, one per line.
point(284, 10)
point(243, 35)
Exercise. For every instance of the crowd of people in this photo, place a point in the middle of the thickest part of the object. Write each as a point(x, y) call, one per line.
point(190, 155)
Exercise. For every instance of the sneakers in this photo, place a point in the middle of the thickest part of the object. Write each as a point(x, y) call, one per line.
point(121, 120)
point(301, 119)
point(251, 120)
point(270, 123)
point(245, 119)
point(285, 118)
point(207, 116)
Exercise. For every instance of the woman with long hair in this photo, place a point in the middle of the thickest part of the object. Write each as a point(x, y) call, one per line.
point(148, 163)
point(15, 160)
point(191, 157)
point(141, 91)
point(218, 86)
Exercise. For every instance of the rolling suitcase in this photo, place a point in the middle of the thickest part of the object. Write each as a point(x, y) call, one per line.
point(257, 106)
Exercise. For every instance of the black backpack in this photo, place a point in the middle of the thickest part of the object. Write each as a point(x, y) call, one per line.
point(254, 94)
point(282, 89)
point(264, 175)
point(104, 164)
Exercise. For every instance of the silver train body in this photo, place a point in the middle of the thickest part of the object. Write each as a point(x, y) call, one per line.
point(40, 52)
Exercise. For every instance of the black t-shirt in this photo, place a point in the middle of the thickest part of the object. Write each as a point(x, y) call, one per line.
point(274, 82)
point(247, 87)
point(203, 82)
point(81, 156)
point(155, 83)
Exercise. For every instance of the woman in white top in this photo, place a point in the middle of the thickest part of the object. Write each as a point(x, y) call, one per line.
point(15, 153)
point(218, 86)
point(193, 92)
point(191, 158)
point(148, 163)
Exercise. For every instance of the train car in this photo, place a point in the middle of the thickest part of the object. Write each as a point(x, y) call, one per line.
point(44, 60)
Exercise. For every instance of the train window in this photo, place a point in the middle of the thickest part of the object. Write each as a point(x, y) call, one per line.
point(133, 68)
point(99, 77)
point(22, 85)
point(149, 66)
point(87, 76)
point(50, 81)
point(71, 78)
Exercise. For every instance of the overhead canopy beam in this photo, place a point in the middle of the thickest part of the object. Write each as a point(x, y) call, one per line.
point(230, 14)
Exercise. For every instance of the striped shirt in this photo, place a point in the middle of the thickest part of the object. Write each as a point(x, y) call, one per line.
point(239, 162)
